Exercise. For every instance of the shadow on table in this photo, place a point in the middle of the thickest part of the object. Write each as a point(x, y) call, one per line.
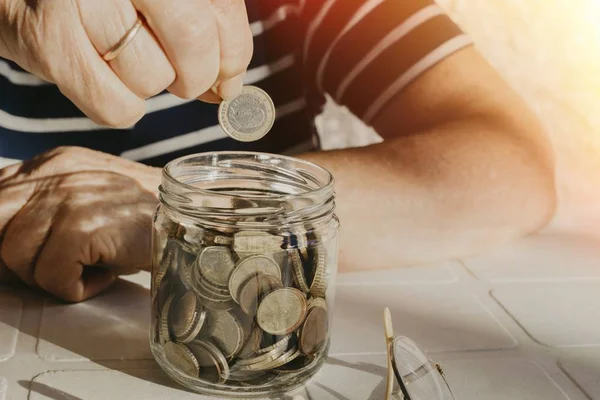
point(111, 330)
point(378, 391)
point(47, 391)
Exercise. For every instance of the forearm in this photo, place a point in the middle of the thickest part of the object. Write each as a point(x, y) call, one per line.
point(442, 194)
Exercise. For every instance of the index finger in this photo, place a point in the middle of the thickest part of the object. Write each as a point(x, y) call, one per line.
point(187, 31)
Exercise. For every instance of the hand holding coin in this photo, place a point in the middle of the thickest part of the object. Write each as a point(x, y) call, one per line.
point(249, 116)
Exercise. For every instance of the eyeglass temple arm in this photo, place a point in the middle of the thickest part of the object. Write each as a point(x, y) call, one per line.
point(389, 342)
point(441, 372)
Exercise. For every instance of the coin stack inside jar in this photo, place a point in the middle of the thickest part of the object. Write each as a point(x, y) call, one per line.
point(242, 308)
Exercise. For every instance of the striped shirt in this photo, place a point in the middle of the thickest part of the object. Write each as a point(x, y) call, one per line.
point(360, 52)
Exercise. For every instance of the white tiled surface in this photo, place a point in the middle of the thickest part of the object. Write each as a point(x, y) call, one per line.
point(2, 388)
point(443, 319)
point(486, 378)
point(559, 315)
point(131, 384)
point(423, 274)
point(585, 371)
point(521, 323)
point(121, 333)
point(10, 316)
point(501, 379)
point(536, 260)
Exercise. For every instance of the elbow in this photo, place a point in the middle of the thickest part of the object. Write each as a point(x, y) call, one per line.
point(534, 158)
point(540, 196)
point(528, 178)
point(503, 179)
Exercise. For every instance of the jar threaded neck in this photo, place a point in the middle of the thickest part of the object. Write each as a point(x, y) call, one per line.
point(258, 189)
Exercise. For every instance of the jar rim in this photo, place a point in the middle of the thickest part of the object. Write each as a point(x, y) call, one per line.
point(324, 188)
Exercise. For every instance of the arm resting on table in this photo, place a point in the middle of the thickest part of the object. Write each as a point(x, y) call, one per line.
point(464, 165)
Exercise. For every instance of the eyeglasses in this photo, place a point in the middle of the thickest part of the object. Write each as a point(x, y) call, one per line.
point(415, 376)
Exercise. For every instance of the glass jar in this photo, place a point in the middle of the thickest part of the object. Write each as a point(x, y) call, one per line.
point(245, 252)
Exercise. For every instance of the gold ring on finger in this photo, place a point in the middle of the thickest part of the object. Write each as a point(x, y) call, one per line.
point(118, 48)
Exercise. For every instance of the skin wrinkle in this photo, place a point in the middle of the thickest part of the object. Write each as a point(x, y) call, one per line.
point(97, 250)
point(34, 27)
point(15, 229)
point(67, 160)
point(37, 253)
point(142, 65)
point(75, 219)
point(119, 25)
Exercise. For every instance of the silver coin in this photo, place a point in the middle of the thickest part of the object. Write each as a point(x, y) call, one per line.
point(314, 332)
point(185, 275)
point(274, 354)
point(271, 352)
point(277, 256)
point(167, 261)
point(281, 344)
point(254, 289)
point(252, 343)
point(211, 297)
point(192, 236)
point(213, 292)
point(213, 304)
point(209, 356)
point(289, 356)
point(202, 285)
point(215, 264)
point(256, 242)
point(181, 358)
point(317, 302)
point(190, 249)
point(187, 317)
point(164, 335)
point(223, 240)
point(298, 271)
point(225, 331)
point(281, 312)
point(249, 116)
point(271, 362)
point(318, 286)
point(249, 266)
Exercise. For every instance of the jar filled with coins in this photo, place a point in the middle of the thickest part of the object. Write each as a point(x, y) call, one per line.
point(244, 262)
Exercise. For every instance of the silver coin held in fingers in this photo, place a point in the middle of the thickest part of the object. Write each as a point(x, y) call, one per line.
point(249, 116)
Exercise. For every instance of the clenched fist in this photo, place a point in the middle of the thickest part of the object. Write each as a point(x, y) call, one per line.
point(193, 48)
point(69, 210)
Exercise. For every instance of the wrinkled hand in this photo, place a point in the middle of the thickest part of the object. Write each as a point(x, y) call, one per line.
point(69, 209)
point(185, 46)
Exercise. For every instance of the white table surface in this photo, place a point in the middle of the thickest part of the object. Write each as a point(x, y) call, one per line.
point(522, 322)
